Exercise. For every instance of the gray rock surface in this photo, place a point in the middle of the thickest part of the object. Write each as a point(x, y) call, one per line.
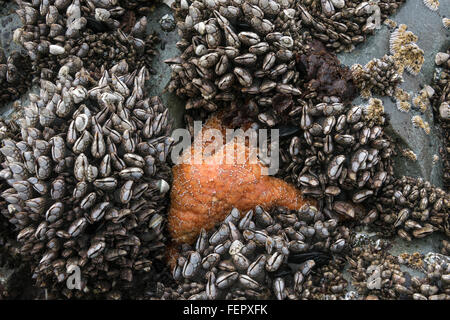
point(161, 78)
point(433, 37)
point(9, 21)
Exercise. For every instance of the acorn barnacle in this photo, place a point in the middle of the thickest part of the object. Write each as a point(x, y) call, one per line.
point(403, 106)
point(432, 4)
point(408, 153)
point(446, 22)
point(420, 123)
point(374, 111)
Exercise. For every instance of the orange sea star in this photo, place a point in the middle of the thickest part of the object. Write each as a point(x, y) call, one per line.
point(203, 194)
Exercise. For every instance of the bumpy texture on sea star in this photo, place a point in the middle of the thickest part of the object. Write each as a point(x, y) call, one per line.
point(203, 194)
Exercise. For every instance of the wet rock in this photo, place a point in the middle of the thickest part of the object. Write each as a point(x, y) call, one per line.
point(161, 71)
point(433, 38)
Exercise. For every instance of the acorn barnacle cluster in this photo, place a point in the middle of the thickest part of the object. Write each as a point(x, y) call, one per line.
point(418, 122)
point(407, 54)
point(374, 112)
point(402, 100)
point(422, 100)
point(87, 179)
point(390, 23)
point(247, 256)
point(408, 153)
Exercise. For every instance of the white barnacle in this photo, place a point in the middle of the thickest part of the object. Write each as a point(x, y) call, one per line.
point(56, 50)
point(435, 158)
point(444, 110)
point(426, 127)
point(390, 23)
point(432, 4)
point(78, 93)
point(403, 106)
point(73, 12)
point(410, 154)
point(63, 72)
point(338, 3)
point(102, 14)
point(428, 90)
point(421, 101)
point(446, 22)
point(418, 122)
point(17, 35)
point(184, 5)
point(441, 58)
point(77, 24)
point(163, 186)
